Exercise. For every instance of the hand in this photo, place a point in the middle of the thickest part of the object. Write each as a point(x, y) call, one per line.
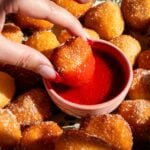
point(27, 57)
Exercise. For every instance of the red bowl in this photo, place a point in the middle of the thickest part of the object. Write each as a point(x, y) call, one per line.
point(81, 110)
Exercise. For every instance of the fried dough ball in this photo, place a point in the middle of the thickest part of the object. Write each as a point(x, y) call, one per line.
point(113, 129)
point(136, 13)
point(140, 87)
point(10, 132)
point(41, 136)
point(143, 60)
point(65, 35)
point(78, 140)
point(129, 46)
point(106, 19)
point(7, 89)
point(137, 114)
point(76, 8)
point(44, 41)
point(31, 107)
point(74, 61)
point(26, 22)
point(12, 32)
point(92, 34)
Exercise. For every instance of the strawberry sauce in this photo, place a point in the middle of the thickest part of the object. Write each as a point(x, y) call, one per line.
point(106, 83)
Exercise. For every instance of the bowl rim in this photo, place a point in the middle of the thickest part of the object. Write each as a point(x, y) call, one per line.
point(104, 104)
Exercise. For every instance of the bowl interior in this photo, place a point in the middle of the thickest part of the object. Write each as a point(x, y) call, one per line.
point(116, 53)
point(113, 51)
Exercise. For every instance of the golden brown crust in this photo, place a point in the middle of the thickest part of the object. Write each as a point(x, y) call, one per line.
point(26, 22)
point(31, 107)
point(7, 89)
point(106, 19)
point(140, 86)
point(10, 132)
point(13, 32)
point(76, 8)
point(41, 136)
point(143, 60)
point(72, 61)
point(79, 140)
point(65, 35)
point(137, 114)
point(111, 128)
point(43, 41)
point(92, 34)
point(64, 53)
point(129, 46)
point(136, 13)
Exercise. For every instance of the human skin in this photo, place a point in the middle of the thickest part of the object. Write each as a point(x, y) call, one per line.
point(27, 57)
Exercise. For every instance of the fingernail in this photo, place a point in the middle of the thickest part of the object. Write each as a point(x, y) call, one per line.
point(58, 78)
point(90, 42)
point(47, 72)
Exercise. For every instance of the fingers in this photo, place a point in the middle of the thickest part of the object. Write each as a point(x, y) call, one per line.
point(2, 18)
point(21, 55)
point(26, 57)
point(46, 9)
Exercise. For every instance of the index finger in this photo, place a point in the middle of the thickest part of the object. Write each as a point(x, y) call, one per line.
point(48, 10)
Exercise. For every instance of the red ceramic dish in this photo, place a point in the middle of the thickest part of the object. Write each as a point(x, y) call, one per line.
point(109, 89)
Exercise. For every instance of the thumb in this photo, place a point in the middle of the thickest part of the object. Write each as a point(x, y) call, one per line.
point(26, 57)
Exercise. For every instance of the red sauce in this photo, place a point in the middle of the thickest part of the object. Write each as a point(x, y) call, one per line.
point(106, 83)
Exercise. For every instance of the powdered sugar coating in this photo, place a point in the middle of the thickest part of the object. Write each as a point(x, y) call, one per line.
point(111, 128)
point(31, 107)
point(136, 13)
point(106, 18)
point(140, 86)
point(137, 114)
point(10, 132)
point(41, 136)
